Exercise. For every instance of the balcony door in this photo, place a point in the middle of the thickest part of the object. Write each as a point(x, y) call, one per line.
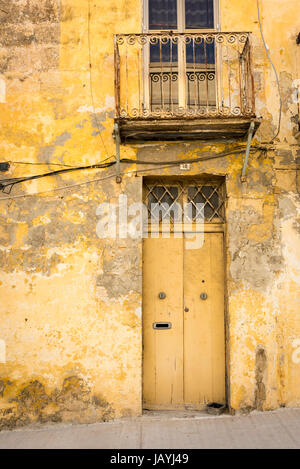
point(179, 66)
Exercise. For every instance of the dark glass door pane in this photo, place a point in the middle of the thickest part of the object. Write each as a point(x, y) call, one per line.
point(162, 14)
point(199, 14)
point(164, 52)
point(202, 53)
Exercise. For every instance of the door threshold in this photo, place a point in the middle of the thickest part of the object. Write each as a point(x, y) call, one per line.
point(176, 414)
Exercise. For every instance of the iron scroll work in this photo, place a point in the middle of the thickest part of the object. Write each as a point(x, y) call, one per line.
point(218, 87)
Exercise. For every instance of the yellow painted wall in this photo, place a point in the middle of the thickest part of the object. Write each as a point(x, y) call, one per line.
point(71, 302)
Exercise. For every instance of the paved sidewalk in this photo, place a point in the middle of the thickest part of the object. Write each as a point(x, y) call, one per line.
point(280, 429)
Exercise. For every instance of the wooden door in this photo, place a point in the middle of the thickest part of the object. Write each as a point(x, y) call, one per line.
point(204, 334)
point(184, 365)
point(163, 348)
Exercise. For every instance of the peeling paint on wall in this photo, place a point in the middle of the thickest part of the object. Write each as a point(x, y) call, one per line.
point(2, 90)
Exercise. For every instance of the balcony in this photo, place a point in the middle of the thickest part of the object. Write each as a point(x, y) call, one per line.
point(191, 86)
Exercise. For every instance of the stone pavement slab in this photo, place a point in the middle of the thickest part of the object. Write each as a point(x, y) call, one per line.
point(167, 430)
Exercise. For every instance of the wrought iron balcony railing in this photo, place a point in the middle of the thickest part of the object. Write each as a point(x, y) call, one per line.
point(166, 75)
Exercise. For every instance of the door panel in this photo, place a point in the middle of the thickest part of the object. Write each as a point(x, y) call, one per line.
point(204, 334)
point(163, 349)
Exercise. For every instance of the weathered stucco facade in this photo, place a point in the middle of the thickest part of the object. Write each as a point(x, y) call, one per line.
point(71, 309)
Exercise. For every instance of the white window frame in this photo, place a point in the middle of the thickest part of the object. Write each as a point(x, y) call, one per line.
point(181, 51)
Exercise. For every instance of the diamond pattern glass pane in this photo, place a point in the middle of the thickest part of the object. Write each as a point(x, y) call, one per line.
point(161, 202)
point(209, 197)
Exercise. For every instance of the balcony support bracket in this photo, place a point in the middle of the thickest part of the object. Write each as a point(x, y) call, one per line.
point(250, 137)
point(117, 138)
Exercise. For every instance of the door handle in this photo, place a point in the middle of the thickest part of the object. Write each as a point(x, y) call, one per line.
point(162, 295)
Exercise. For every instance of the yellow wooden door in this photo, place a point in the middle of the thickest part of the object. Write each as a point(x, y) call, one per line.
point(184, 366)
point(204, 329)
point(163, 348)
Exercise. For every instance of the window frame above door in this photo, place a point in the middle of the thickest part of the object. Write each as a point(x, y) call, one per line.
point(181, 19)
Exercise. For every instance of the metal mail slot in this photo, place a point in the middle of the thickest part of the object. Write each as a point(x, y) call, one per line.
point(162, 325)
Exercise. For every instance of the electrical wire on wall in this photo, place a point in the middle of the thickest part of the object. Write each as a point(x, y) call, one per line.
point(41, 164)
point(275, 72)
point(94, 113)
point(91, 82)
point(11, 182)
point(1, 7)
point(91, 181)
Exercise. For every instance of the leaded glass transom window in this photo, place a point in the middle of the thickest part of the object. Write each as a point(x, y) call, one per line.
point(166, 200)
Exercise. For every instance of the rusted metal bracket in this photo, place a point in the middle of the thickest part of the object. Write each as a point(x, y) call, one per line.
point(250, 136)
point(118, 144)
